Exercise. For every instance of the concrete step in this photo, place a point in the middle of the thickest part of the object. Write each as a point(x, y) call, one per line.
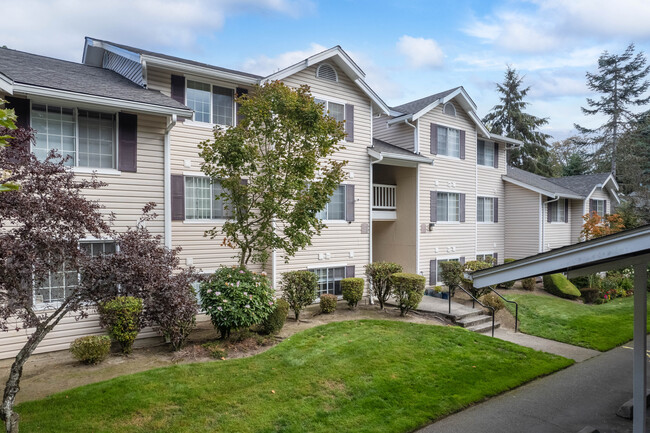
point(468, 322)
point(484, 327)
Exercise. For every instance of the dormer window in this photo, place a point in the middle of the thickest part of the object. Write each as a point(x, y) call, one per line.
point(449, 109)
point(327, 72)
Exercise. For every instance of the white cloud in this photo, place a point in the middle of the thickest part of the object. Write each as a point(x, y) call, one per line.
point(56, 28)
point(264, 65)
point(421, 52)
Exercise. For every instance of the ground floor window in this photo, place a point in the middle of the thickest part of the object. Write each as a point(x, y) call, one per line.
point(439, 270)
point(329, 280)
point(488, 257)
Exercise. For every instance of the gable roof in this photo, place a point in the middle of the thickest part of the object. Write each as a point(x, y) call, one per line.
point(578, 187)
point(419, 104)
point(39, 75)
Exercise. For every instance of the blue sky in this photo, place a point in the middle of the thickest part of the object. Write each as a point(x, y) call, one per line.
point(407, 49)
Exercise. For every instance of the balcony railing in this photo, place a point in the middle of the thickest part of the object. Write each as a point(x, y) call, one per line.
point(383, 197)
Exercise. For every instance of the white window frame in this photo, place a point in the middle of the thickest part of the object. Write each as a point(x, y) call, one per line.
point(326, 211)
point(493, 153)
point(328, 100)
point(447, 154)
point(447, 221)
point(449, 104)
point(558, 211)
point(439, 269)
point(212, 85)
point(484, 255)
point(484, 199)
point(326, 269)
point(75, 109)
point(212, 200)
point(599, 203)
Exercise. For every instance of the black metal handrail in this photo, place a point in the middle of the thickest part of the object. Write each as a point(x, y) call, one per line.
point(451, 290)
point(511, 302)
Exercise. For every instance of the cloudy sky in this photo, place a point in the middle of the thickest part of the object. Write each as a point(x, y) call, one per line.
point(407, 49)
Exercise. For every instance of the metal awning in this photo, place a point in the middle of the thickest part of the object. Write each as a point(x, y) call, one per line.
point(626, 248)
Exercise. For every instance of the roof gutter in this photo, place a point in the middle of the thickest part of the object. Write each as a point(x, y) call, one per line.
point(199, 70)
point(415, 158)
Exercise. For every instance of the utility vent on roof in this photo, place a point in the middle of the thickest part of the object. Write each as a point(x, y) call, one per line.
point(449, 109)
point(327, 72)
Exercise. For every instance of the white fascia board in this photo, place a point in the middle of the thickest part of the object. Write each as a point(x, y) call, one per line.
point(341, 58)
point(6, 84)
point(117, 50)
point(83, 98)
point(617, 249)
point(613, 191)
point(400, 119)
point(479, 123)
point(284, 73)
point(399, 157)
point(372, 95)
point(426, 109)
point(198, 70)
point(501, 138)
point(529, 187)
point(465, 98)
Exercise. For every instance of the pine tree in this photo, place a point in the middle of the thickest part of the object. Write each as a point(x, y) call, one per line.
point(508, 118)
point(576, 164)
point(621, 82)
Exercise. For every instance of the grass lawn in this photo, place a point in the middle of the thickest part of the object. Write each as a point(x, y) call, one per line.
point(354, 376)
point(599, 327)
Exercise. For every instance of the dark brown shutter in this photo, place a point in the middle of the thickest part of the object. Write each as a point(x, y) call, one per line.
point(480, 152)
point(604, 207)
point(496, 209)
point(433, 272)
point(178, 197)
point(433, 140)
point(240, 91)
point(496, 258)
point(462, 144)
point(496, 155)
point(548, 211)
point(591, 207)
point(21, 108)
point(462, 260)
point(349, 271)
point(433, 207)
point(178, 88)
point(349, 122)
point(349, 202)
point(462, 208)
point(566, 210)
point(128, 142)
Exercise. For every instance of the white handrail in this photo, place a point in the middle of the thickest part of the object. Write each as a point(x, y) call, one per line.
point(383, 197)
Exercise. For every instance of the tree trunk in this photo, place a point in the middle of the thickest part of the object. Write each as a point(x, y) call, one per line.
point(12, 386)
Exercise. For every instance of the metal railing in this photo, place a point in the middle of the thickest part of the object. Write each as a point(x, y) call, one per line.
point(511, 302)
point(451, 294)
point(383, 197)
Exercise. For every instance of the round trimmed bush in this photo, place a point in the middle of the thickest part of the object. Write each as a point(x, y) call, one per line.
point(352, 290)
point(559, 285)
point(274, 323)
point(299, 290)
point(328, 303)
point(91, 349)
point(492, 300)
point(408, 289)
point(529, 283)
point(122, 317)
point(378, 274)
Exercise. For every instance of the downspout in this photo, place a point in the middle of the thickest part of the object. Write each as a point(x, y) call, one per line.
point(372, 195)
point(541, 207)
point(167, 200)
point(274, 261)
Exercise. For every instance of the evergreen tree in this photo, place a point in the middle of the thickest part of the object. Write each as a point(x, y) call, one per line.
point(509, 119)
point(576, 164)
point(621, 82)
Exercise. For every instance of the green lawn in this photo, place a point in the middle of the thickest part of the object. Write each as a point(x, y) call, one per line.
point(599, 327)
point(355, 376)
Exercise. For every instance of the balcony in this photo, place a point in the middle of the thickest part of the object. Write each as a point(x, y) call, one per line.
point(384, 202)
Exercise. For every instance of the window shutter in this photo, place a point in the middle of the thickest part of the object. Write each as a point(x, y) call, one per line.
point(462, 208)
point(128, 142)
point(433, 140)
point(239, 92)
point(548, 211)
point(178, 88)
point(480, 152)
point(496, 155)
point(21, 108)
point(591, 207)
point(349, 271)
point(433, 207)
point(605, 207)
point(496, 209)
point(349, 202)
point(566, 210)
point(462, 144)
point(349, 122)
point(433, 272)
point(496, 258)
point(178, 197)
point(243, 181)
point(462, 260)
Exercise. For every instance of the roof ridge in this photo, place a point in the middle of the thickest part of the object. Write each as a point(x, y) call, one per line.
point(428, 96)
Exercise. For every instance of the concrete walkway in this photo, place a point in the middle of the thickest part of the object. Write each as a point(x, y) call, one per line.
point(586, 394)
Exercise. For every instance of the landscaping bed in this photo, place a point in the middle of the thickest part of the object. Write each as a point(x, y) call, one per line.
point(352, 376)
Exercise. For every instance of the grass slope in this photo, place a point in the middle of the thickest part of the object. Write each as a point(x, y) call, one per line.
point(356, 376)
point(599, 327)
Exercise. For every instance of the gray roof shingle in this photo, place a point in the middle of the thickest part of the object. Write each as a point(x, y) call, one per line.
point(417, 105)
point(58, 74)
point(580, 185)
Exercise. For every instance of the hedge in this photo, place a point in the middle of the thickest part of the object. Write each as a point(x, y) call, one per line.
point(559, 285)
point(352, 289)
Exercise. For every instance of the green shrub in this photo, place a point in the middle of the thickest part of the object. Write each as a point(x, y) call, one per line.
point(408, 289)
point(471, 266)
point(122, 317)
point(275, 321)
point(581, 282)
point(352, 290)
point(215, 350)
point(529, 283)
point(378, 274)
point(559, 285)
point(508, 284)
point(590, 294)
point(492, 300)
point(328, 303)
point(92, 349)
point(236, 298)
point(299, 290)
point(451, 273)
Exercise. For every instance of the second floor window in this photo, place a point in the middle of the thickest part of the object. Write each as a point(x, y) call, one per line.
point(332, 109)
point(485, 209)
point(448, 206)
point(200, 201)
point(485, 153)
point(448, 141)
point(335, 209)
point(556, 211)
point(211, 104)
point(599, 207)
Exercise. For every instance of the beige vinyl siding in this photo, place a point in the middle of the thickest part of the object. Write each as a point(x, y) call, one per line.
point(577, 210)
point(399, 134)
point(491, 236)
point(159, 79)
point(556, 234)
point(522, 222)
point(452, 175)
point(341, 240)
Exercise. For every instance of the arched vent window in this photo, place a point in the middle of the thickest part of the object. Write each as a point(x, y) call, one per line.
point(449, 109)
point(327, 72)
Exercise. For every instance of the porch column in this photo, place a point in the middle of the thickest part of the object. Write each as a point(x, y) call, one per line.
point(640, 347)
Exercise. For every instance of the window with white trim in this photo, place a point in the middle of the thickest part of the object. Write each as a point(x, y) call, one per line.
point(449, 109)
point(485, 209)
point(332, 109)
point(487, 257)
point(599, 207)
point(335, 209)
point(448, 206)
point(211, 103)
point(88, 137)
point(201, 202)
point(485, 153)
point(448, 141)
point(556, 211)
point(439, 268)
point(329, 280)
